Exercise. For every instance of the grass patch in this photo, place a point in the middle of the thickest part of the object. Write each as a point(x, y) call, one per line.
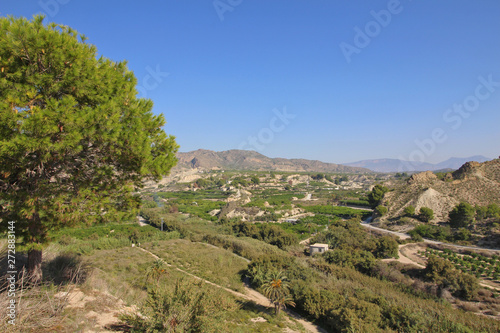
point(211, 263)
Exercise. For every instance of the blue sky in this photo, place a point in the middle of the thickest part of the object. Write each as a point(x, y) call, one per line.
point(337, 81)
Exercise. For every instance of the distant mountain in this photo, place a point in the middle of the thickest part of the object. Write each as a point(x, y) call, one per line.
point(457, 162)
point(251, 160)
point(395, 165)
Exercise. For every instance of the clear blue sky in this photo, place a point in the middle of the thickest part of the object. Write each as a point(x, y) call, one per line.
point(353, 95)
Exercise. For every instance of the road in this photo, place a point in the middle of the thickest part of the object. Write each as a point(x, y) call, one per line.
point(366, 224)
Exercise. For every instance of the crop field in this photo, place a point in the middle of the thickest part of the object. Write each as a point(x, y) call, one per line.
point(475, 264)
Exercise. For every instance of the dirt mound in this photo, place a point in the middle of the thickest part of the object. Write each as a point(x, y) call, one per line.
point(422, 177)
point(475, 183)
point(440, 203)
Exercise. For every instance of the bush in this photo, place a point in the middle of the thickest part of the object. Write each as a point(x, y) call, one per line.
point(462, 215)
point(446, 276)
point(376, 195)
point(387, 247)
point(426, 214)
point(409, 211)
point(189, 307)
point(432, 232)
point(381, 210)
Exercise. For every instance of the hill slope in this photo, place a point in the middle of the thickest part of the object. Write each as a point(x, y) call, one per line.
point(251, 160)
point(475, 183)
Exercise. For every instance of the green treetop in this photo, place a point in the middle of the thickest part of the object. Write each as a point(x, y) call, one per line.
point(74, 137)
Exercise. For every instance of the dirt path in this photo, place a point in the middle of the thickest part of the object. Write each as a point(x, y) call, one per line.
point(407, 260)
point(250, 295)
point(305, 241)
point(142, 221)
point(404, 259)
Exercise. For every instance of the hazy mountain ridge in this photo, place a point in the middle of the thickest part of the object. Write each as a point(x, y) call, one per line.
point(251, 160)
point(396, 165)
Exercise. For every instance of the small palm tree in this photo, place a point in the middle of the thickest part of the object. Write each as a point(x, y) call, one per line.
point(308, 225)
point(156, 270)
point(277, 290)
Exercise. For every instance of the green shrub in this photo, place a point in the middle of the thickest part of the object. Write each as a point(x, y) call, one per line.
point(376, 195)
point(189, 307)
point(426, 214)
point(381, 210)
point(409, 211)
point(462, 215)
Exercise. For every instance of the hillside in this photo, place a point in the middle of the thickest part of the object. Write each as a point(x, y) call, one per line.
point(251, 160)
point(475, 183)
point(395, 165)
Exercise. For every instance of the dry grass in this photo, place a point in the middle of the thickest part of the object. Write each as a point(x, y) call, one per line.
point(37, 308)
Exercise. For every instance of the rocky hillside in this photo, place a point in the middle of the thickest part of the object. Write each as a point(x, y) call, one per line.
point(475, 183)
point(251, 160)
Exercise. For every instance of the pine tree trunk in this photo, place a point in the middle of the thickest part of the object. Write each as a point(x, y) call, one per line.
point(35, 266)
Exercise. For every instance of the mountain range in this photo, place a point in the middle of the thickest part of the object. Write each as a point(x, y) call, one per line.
point(395, 165)
point(252, 160)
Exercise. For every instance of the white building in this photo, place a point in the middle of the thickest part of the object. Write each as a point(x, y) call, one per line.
point(318, 248)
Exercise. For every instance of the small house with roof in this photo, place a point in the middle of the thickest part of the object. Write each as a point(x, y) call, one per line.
point(318, 248)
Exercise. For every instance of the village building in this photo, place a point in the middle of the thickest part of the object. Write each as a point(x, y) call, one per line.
point(318, 248)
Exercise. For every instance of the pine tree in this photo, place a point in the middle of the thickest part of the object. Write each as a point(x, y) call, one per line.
point(74, 137)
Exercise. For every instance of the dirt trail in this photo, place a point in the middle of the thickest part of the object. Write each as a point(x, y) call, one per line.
point(250, 295)
point(406, 260)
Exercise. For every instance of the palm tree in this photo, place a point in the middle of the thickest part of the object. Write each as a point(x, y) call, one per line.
point(277, 290)
point(156, 270)
point(309, 226)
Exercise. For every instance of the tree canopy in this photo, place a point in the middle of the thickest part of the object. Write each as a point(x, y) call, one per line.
point(426, 214)
point(462, 215)
point(376, 195)
point(74, 137)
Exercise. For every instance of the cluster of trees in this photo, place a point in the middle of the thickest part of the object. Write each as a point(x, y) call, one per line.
point(344, 300)
point(447, 276)
point(376, 195)
point(340, 179)
point(464, 215)
point(344, 212)
point(425, 214)
point(270, 234)
point(320, 176)
point(353, 247)
point(474, 264)
point(440, 233)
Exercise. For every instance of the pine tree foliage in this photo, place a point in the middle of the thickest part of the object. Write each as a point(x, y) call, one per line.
point(74, 137)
